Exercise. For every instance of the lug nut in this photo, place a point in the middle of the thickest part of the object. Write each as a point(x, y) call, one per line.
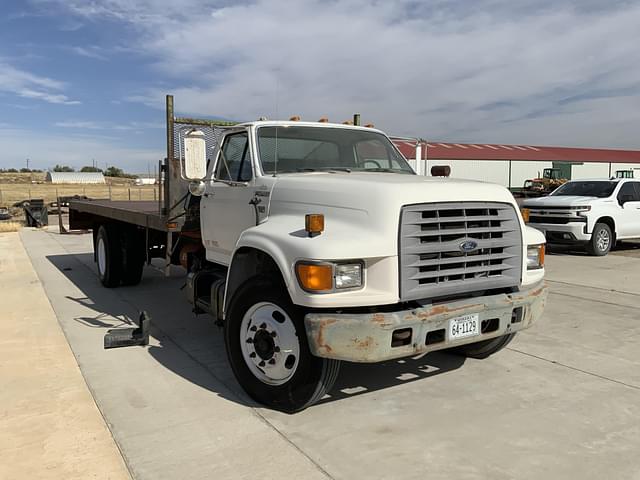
point(252, 355)
point(261, 364)
point(272, 362)
point(249, 340)
point(263, 326)
point(274, 334)
point(253, 328)
point(276, 348)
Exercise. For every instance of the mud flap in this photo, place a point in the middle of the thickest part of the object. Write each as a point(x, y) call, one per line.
point(129, 337)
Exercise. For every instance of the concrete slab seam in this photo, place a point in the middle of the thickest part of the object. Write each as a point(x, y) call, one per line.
point(232, 390)
point(554, 362)
point(91, 391)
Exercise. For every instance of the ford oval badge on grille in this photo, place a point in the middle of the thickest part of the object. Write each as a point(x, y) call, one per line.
point(468, 246)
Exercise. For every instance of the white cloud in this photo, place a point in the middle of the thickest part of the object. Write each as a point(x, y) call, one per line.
point(94, 52)
point(485, 70)
point(27, 85)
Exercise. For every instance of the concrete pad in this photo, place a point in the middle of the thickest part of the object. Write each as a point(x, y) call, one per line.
point(562, 401)
point(50, 426)
point(171, 416)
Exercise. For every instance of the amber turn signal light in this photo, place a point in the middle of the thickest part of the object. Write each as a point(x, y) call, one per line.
point(525, 214)
point(314, 224)
point(315, 278)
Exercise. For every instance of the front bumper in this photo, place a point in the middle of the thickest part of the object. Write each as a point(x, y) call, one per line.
point(555, 233)
point(367, 337)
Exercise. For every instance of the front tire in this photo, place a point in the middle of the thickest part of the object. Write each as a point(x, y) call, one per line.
point(484, 348)
point(601, 240)
point(268, 351)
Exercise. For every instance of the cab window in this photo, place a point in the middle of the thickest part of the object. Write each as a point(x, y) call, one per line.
point(234, 162)
point(629, 192)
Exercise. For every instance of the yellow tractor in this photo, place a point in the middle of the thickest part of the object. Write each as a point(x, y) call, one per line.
point(550, 180)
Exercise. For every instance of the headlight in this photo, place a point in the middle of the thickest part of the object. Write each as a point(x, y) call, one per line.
point(326, 277)
point(535, 257)
point(348, 275)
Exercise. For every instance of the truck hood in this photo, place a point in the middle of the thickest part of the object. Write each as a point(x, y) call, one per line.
point(362, 210)
point(377, 192)
point(560, 201)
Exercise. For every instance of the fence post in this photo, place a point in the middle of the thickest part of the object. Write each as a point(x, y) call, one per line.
point(129, 193)
point(154, 195)
point(109, 191)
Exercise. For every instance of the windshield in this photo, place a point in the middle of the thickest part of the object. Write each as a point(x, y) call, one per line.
point(308, 149)
point(600, 189)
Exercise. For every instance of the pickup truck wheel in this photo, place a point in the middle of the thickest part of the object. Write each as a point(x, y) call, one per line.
point(484, 348)
point(268, 350)
point(109, 256)
point(601, 240)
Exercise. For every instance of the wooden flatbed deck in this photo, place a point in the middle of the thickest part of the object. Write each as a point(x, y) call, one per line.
point(141, 213)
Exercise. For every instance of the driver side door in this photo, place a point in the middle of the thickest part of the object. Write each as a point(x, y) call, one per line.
point(226, 209)
point(629, 201)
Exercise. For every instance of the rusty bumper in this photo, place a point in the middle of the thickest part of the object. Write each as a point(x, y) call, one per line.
point(367, 337)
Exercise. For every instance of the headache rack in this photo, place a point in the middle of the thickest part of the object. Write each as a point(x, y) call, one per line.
point(456, 248)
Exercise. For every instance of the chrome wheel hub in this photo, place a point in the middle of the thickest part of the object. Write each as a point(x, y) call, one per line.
point(603, 240)
point(269, 343)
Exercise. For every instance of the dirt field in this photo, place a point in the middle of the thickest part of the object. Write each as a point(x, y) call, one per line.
point(12, 193)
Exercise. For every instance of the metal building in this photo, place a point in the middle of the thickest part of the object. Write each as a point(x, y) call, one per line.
point(75, 177)
point(511, 165)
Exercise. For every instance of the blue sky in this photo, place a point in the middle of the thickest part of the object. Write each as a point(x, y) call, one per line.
point(85, 80)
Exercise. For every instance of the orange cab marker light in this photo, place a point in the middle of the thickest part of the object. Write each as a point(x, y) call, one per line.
point(314, 224)
point(315, 278)
point(541, 256)
point(172, 225)
point(525, 214)
point(295, 118)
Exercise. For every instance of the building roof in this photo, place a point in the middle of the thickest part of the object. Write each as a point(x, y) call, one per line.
point(75, 177)
point(483, 151)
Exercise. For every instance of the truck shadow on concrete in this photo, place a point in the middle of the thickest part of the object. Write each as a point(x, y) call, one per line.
point(193, 347)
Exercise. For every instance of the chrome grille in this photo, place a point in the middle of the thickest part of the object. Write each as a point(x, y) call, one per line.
point(433, 262)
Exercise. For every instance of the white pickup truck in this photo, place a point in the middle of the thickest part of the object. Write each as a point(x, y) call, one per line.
point(591, 213)
point(316, 243)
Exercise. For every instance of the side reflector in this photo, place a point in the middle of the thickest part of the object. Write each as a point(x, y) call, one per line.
point(316, 278)
point(314, 224)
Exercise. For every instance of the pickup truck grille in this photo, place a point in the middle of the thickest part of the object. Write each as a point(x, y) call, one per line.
point(462, 247)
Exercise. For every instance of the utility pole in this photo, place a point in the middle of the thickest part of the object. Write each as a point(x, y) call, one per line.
point(27, 164)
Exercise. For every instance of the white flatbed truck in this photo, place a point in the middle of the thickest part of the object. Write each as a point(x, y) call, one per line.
point(314, 243)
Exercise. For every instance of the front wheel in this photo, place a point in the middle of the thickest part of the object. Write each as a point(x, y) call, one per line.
point(484, 348)
point(268, 350)
point(601, 240)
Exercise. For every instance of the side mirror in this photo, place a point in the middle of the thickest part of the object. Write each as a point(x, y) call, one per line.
point(194, 164)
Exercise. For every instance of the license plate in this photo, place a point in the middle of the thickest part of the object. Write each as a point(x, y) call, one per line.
point(465, 326)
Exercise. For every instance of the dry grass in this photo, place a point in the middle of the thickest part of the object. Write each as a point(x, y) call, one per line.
point(10, 226)
point(15, 192)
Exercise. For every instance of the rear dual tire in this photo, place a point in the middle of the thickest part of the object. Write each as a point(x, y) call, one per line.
point(120, 255)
